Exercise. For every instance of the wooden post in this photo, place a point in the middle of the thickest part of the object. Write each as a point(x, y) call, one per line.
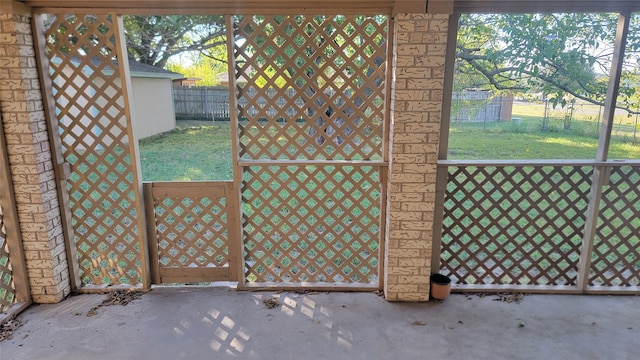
point(384, 170)
point(445, 123)
point(154, 262)
point(125, 78)
point(236, 194)
point(601, 173)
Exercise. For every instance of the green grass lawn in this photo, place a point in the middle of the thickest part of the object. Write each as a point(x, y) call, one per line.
point(469, 142)
point(201, 150)
point(194, 150)
point(527, 140)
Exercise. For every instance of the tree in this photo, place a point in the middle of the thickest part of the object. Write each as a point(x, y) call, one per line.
point(556, 54)
point(206, 69)
point(154, 39)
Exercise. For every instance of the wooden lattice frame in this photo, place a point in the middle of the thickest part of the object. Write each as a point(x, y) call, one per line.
point(7, 286)
point(311, 87)
point(312, 224)
point(91, 104)
point(514, 225)
point(192, 240)
point(616, 250)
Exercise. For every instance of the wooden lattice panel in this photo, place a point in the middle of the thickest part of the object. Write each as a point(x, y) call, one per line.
point(311, 87)
point(191, 230)
point(514, 225)
point(93, 127)
point(312, 224)
point(616, 249)
point(7, 288)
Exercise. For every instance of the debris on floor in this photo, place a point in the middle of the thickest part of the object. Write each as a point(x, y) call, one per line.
point(271, 303)
point(305, 292)
point(7, 329)
point(120, 297)
point(510, 297)
point(419, 323)
point(503, 297)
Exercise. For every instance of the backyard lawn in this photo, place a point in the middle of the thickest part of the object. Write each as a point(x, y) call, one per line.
point(201, 150)
point(193, 151)
point(527, 140)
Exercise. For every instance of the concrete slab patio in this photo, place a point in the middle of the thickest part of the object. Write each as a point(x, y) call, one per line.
point(218, 323)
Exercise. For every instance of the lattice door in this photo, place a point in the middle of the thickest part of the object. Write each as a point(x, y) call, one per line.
point(311, 94)
point(95, 128)
point(192, 239)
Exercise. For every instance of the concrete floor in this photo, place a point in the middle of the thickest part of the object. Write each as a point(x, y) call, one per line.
point(214, 323)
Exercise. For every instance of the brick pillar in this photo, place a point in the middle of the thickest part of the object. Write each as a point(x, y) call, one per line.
point(416, 97)
point(30, 158)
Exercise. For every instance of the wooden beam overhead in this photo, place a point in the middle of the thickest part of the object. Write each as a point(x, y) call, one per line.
point(225, 6)
point(330, 6)
point(14, 7)
point(544, 6)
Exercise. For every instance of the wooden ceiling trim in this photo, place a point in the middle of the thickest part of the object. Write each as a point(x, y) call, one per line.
point(227, 6)
point(544, 6)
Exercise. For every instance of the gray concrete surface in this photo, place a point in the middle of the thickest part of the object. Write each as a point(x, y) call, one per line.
point(207, 323)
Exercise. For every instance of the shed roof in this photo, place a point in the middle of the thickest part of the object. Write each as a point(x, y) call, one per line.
point(138, 69)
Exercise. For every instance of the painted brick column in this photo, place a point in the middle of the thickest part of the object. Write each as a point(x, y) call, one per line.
point(416, 97)
point(30, 158)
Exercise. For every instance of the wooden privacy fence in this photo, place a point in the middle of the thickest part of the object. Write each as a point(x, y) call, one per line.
point(479, 106)
point(523, 227)
point(201, 102)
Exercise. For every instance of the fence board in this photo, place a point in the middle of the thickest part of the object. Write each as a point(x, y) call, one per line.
point(201, 102)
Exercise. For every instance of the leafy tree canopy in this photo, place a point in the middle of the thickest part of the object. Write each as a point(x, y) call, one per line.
point(556, 54)
point(206, 69)
point(154, 39)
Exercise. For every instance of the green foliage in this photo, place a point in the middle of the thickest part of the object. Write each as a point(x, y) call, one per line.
point(553, 54)
point(154, 39)
point(199, 67)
